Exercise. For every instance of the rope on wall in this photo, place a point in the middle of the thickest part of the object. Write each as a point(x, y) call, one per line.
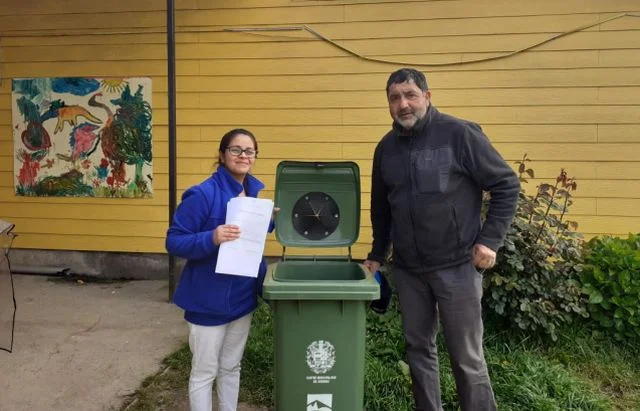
point(450, 63)
point(315, 33)
point(1, 62)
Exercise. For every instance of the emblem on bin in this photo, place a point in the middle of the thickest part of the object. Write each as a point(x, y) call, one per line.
point(319, 402)
point(321, 356)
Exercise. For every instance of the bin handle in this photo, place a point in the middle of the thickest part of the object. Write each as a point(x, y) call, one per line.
point(315, 257)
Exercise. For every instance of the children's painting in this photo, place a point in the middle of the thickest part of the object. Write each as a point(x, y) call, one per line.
point(82, 137)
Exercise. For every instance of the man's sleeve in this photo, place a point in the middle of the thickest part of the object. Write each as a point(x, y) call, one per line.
point(492, 174)
point(380, 211)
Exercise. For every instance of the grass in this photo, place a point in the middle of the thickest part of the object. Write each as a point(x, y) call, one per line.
point(165, 390)
point(612, 368)
point(574, 373)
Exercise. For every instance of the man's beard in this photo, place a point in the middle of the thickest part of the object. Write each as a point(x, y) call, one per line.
point(410, 122)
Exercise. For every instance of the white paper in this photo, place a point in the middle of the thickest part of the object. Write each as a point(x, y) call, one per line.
point(243, 255)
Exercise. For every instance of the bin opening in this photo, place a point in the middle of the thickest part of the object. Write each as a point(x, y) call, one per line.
point(318, 271)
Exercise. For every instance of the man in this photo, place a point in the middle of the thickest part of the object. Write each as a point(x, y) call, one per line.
point(429, 173)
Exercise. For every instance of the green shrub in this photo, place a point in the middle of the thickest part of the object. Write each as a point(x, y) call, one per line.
point(534, 285)
point(611, 279)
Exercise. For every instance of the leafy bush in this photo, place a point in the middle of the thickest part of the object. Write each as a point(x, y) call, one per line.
point(534, 285)
point(612, 280)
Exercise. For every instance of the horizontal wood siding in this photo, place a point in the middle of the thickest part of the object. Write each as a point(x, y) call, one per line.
point(573, 102)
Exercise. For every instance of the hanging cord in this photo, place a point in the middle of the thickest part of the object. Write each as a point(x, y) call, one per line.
point(1, 62)
point(451, 63)
point(317, 34)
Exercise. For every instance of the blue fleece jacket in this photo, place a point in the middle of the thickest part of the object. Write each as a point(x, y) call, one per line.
point(210, 298)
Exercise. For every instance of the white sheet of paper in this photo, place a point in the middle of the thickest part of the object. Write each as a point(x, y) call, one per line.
point(243, 256)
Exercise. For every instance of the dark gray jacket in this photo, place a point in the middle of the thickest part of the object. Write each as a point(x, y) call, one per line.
point(426, 193)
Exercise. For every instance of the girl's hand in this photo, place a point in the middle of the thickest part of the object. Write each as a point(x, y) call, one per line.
point(225, 232)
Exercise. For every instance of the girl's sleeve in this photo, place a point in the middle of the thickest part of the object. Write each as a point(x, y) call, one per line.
point(184, 237)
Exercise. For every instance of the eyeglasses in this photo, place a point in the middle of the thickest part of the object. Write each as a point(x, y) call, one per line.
point(236, 151)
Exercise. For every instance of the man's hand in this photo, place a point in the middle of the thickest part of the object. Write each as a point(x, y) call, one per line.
point(373, 266)
point(483, 256)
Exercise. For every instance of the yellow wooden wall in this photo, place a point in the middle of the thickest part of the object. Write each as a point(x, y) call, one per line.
point(572, 102)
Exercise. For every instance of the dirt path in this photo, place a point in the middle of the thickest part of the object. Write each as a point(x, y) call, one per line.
point(85, 346)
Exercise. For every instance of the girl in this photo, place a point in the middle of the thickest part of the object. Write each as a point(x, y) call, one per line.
point(218, 307)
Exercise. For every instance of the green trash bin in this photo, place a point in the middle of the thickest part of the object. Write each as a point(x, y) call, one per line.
point(319, 303)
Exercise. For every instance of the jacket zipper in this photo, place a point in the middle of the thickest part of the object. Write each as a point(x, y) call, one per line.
point(411, 163)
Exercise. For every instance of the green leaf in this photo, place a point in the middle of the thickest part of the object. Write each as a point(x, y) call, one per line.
point(619, 313)
point(598, 274)
point(595, 297)
point(606, 322)
point(624, 277)
point(617, 289)
point(404, 368)
point(588, 289)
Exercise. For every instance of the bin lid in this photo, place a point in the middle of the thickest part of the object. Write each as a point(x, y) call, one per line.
point(319, 203)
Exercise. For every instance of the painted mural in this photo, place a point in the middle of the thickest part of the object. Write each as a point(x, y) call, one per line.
point(82, 137)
